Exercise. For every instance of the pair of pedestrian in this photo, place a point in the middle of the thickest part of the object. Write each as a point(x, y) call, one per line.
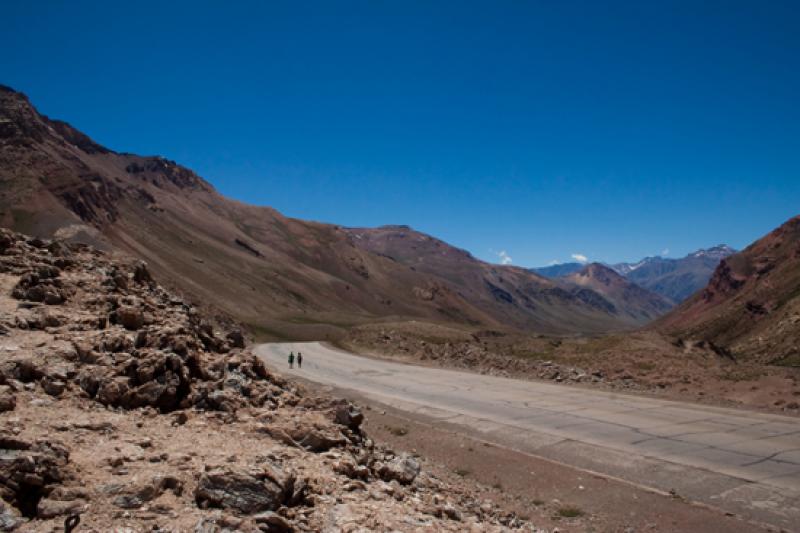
point(299, 360)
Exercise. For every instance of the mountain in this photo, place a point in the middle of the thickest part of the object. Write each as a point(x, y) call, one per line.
point(751, 306)
point(629, 298)
point(559, 270)
point(282, 276)
point(675, 279)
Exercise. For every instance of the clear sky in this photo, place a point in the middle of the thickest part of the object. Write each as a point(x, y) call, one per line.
point(613, 130)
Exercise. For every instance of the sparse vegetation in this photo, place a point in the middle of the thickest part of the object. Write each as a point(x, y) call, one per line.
point(462, 472)
point(569, 512)
point(645, 366)
point(397, 431)
point(741, 374)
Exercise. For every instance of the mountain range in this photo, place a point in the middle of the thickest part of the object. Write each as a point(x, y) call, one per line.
point(674, 279)
point(290, 278)
point(286, 278)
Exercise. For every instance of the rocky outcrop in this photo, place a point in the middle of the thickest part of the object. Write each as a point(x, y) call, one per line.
point(137, 345)
point(27, 471)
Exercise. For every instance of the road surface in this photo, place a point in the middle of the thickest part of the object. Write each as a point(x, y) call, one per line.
point(740, 461)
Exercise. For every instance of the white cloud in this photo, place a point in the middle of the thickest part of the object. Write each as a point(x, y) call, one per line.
point(505, 259)
point(665, 252)
point(554, 262)
point(580, 258)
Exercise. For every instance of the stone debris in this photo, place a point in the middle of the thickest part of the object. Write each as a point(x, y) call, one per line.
point(122, 403)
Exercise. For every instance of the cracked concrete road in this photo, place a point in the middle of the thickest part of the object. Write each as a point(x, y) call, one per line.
point(743, 462)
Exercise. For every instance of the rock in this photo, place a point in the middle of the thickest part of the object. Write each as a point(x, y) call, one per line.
point(10, 518)
point(149, 490)
point(141, 274)
point(450, 512)
point(404, 469)
point(349, 416)
point(48, 508)
point(52, 297)
point(53, 387)
point(131, 318)
point(348, 467)
point(112, 392)
point(273, 523)
point(128, 501)
point(244, 492)
point(236, 339)
point(7, 399)
point(306, 435)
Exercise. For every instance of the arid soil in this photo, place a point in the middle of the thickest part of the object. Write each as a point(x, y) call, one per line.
point(644, 362)
point(123, 408)
point(550, 494)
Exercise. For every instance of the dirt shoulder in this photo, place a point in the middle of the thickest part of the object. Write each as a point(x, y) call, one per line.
point(550, 494)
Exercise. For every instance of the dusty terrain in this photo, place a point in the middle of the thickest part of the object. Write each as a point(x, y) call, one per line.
point(643, 362)
point(551, 494)
point(122, 405)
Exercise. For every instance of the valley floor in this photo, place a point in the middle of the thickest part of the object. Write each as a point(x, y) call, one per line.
point(741, 462)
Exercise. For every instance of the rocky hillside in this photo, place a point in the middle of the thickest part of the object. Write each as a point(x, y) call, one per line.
point(628, 298)
point(122, 408)
point(751, 306)
point(284, 277)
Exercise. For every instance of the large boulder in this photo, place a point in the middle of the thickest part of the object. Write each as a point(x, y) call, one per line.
point(350, 416)
point(403, 469)
point(245, 492)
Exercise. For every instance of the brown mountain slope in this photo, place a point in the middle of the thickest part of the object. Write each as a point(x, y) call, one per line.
point(632, 301)
point(751, 306)
point(505, 292)
point(289, 277)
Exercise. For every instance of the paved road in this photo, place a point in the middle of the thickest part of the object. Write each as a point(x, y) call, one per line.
point(742, 461)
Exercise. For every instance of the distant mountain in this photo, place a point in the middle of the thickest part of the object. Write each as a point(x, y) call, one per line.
point(751, 306)
point(675, 279)
point(627, 297)
point(556, 271)
point(285, 277)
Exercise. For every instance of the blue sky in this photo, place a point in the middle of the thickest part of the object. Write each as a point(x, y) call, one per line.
point(613, 130)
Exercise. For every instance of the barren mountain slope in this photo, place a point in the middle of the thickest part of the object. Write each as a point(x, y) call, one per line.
point(751, 306)
point(628, 298)
point(288, 277)
point(505, 292)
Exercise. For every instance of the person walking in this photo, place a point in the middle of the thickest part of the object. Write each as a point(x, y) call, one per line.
point(299, 360)
point(291, 359)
